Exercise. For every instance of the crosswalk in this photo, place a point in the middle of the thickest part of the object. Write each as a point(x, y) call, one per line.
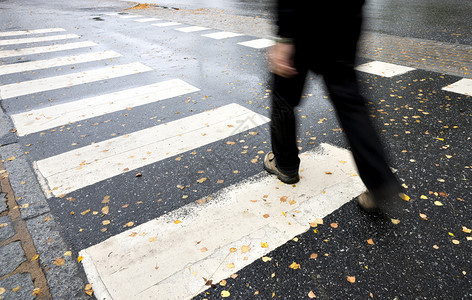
point(171, 254)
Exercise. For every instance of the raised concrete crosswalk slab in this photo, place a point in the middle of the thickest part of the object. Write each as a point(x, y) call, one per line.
point(63, 81)
point(173, 256)
point(82, 167)
point(49, 117)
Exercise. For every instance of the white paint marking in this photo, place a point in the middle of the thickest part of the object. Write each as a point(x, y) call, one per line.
point(45, 49)
point(147, 20)
point(131, 265)
point(63, 81)
point(222, 35)
point(79, 168)
point(258, 44)
point(383, 69)
point(113, 14)
point(57, 62)
point(38, 39)
point(166, 24)
point(33, 31)
point(192, 29)
point(57, 115)
point(463, 86)
point(129, 16)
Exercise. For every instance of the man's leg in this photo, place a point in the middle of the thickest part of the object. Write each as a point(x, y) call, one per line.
point(286, 96)
point(366, 147)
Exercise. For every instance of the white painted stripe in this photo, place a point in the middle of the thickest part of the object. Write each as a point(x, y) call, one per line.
point(258, 44)
point(383, 69)
point(38, 39)
point(57, 62)
point(192, 29)
point(63, 81)
point(166, 24)
point(45, 49)
point(129, 16)
point(79, 168)
point(33, 31)
point(164, 260)
point(147, 20)
point(57, 115)
point(112, 14)
point(222, 35)
point(463, 86)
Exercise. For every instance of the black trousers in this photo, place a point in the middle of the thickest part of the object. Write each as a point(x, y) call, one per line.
point(342, 85)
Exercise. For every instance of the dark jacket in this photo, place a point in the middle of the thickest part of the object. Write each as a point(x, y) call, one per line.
point(323, 30)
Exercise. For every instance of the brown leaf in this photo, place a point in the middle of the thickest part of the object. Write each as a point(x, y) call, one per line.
point(59, 262)
point(370, 241)
point(105, 210)
point(313, 256)
point(351, 279)
point(311, 295)
point(334, 225)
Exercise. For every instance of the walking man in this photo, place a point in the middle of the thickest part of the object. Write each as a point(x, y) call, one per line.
point(322, 36)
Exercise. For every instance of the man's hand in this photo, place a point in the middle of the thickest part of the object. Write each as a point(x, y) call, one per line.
point(281, 60)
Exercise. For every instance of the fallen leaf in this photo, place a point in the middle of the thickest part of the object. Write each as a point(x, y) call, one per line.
point(423, 216)
point(311, 295)
point(35, 257)
point(245, 249)
point(68, 253)
point(105, 210)
point(232, 250)
point(106, 200)
point(153, 239)
point(80, 258)
point(370, 241)
point(283, 199)
point(201, 180)
point(404, 197)
point(313, 256)
point(438, 203)
point(16, 289)
point(294, 266)
point(223, 282)
point(225, 294)
point(129, 224)
point(85, 212)
point(423, 197)
point(466, 230)
point(59, 262)
point(204, 249)
point(395, 221)
point(266, 216)
point(36, 291)
point(266, 258)
point(456, 242)
point(351, 279)
point(220, 181)
point(88, 287)
point(177, 222)
point(106, 222)
point(230, 266)
point(334, 225)
point(139, 175)
point(264, 245)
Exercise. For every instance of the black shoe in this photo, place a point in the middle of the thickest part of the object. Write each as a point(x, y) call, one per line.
point(271, 167)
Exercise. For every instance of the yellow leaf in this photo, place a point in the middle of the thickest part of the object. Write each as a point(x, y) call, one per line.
point(466, 230)
point(423, 197)
point(11, 158)
point(313, 256)
point(153, 239)
point(68, 253)
point(294, 266)
point(85, 212)
point(177, 222)
point(129, 224)
point(223, 282)
point(225, 294)
point(16, 289)
point(438, 203)
point(105, 210)
point(36, 291)
point(35, 257)
point(370, 241)
point(264, 245)
point(423, 216)
point(88, 287)
point(245, 249)
point(395, 221)
point(201, 180)
point(232, 250)
point(106, 222)
point(230, 266)
point(2, 290)
point(266, 258)
point(455, 242)
point(404, 197)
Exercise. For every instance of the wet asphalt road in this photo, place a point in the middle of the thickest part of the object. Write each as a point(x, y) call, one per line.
point(425, 129)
